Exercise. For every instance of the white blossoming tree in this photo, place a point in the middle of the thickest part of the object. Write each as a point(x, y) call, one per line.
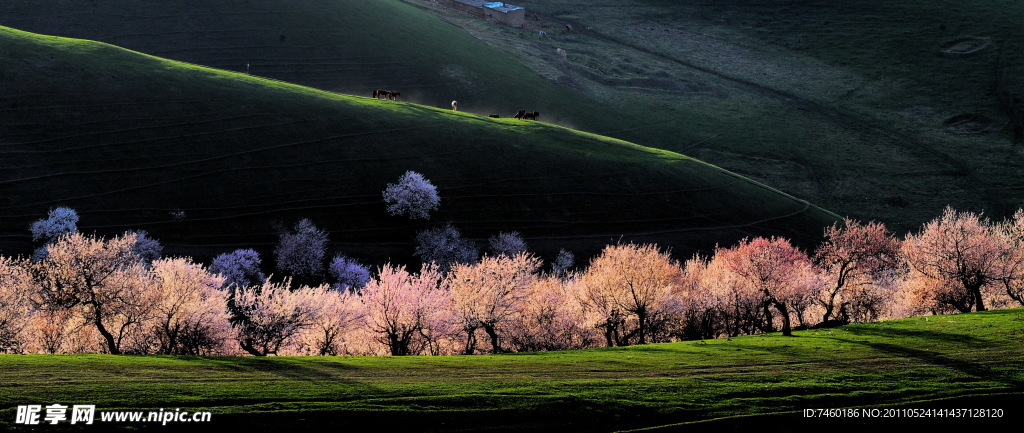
point(413, 196)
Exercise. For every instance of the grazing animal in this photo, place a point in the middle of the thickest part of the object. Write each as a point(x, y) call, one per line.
point(386, 94)
point(455, 105)
point(542, 33)
point(493, 116)
point(534, 115)
point(520, 114)
point(560, 52)
point(568, 27)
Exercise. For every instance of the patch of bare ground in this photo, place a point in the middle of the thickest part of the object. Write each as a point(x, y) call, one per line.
point(964, 47)
point(968, 124)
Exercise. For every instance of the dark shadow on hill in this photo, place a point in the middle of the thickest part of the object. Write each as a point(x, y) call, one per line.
point(915, 334)
point(975, 369)
point(289, 369)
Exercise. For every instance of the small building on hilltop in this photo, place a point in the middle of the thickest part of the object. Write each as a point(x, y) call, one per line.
point(509, 15)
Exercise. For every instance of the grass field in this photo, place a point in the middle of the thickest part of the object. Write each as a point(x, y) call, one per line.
point(127, 139)
point(957, 361)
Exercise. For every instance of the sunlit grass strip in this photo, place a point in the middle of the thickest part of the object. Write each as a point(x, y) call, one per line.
point(896, 362)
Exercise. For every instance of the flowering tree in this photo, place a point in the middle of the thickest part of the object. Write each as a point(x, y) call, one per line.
point(549, 317)
point(562, 263)
point(631, 280)
point(146, 248)
point(445, 247)
point(100, 281)
point(962, 257)
point(1010, 234)
point(240, 268)
point(488, 294)
point(189, 316)
point(348, 274)
point(271, 315)
point(337, 313)
point(405, 310)
point(741, 305)
point(773, 268)
point(506, 244)
point(704, 311)
point(59, 221)
point(413, 196)
point(300, 253)
point(855, 258)
point(15, 307)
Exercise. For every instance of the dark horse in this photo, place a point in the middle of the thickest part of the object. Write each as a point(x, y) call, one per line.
point(523, 114)
point(386, 94)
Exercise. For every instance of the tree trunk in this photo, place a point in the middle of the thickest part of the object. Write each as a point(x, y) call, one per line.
point(641, 318)
point(491, 332)
point(608, 335)
point(976, 292)
point(830, 305)
point(470, 341)
point(786, 329)
point(768, 320)
point(107, 336)
point(248, 347)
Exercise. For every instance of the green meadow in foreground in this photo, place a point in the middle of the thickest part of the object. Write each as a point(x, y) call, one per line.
point(955, 361)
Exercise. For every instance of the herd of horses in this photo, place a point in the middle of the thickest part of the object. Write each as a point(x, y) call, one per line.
point(521, 114)
point(393, 96)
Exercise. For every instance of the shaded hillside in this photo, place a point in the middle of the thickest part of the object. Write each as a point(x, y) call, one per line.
point(347, 47)
point(129, 140)
point(877, 110)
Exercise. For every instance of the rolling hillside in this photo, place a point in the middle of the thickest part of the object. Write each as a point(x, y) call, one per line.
point(129, 139)
point(877, 110)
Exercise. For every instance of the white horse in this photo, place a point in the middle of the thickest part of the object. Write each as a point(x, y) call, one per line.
point(455, 105)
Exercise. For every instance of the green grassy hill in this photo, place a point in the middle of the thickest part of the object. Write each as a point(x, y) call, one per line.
point(877, 110)
point(762, 382)
point(345, 47)
point(127, 139)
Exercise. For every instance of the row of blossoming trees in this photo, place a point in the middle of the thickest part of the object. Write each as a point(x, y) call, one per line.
point(90, 294)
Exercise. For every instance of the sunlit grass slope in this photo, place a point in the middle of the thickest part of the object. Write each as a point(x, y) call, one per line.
point(129, 139)
point(957, 361)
